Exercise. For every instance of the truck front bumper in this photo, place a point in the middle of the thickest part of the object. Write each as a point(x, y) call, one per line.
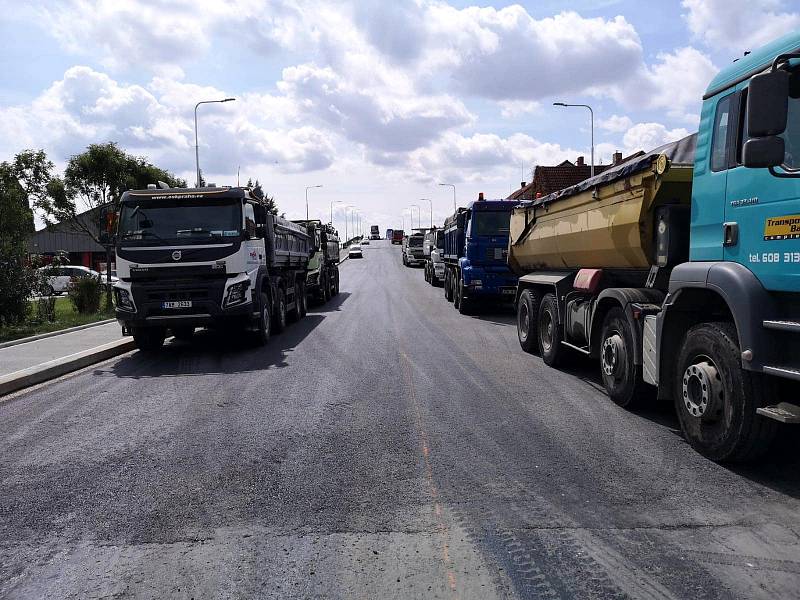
point(205, 309)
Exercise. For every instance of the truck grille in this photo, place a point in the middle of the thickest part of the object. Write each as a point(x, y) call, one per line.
point(172, 295)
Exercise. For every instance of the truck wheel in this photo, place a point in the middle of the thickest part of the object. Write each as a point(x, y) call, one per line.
point(716, 400)
point(280, 312)
point(149, 339)
point(325, 288)
point(183, 333)
point(548, 332)
point(294, 314)
point(464, 303)
point(455, 292)
point(527, 319)
point(448, 286)
point(336, 283)
point(303, 300)
point(264, 321)
point(621, 377)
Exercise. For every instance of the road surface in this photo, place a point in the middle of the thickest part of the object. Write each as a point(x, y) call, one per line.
point(383, 447)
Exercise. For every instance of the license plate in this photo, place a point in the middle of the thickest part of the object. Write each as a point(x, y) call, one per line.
point(177, 304)
point(509, 292)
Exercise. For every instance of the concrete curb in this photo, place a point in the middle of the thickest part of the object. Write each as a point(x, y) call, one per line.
point(42, 336)
point(61, 366)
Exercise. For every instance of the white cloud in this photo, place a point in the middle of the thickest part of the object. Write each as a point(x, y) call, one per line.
point(511, 109)
point(740, 25)
point(616, 123)
point(647, 136)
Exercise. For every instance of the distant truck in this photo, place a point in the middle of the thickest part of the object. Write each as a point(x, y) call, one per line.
point(432, 248)
point(322, 279)
point(388, 234)
point(474, 255)
point(374, 232)
point(397, 236)
point(680, 269)
point(206, 257)
point(412, 250)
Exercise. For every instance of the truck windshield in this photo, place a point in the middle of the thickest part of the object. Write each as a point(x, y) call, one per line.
point(179, 220)
point(490, 222)
point(791, 136)
point(415, 241)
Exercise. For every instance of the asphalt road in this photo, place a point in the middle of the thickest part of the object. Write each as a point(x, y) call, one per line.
point(383, 447)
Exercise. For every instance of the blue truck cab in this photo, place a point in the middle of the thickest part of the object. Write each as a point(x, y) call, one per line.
point(475, 254)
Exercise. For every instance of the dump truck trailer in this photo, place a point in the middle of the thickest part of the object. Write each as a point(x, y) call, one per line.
point(680, 269)
point(206, 257)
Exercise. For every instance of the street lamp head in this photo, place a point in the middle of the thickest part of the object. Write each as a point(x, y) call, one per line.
point(559, 104)
point(228, 100)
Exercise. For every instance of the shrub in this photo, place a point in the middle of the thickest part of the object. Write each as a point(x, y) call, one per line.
point(84, 293)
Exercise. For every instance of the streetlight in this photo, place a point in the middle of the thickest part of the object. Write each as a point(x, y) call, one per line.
point(196, 145)
point(430, 204)
point(454, 194)
point(310, 187)
point(332, 203)
point(418, 215)
point(591, 116)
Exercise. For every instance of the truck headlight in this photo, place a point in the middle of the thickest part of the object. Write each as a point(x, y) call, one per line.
point(236, 293)
point(124, 300)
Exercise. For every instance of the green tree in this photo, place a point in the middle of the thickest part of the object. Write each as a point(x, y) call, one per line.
point(17, 278)
point(258, 191)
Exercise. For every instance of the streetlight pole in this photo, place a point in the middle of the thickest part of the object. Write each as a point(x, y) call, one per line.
point(430, 205)
point(454, 194)
point(332, 203)
point(196, 145)
point(418, 215)
point(591, 117)
point(310, 187)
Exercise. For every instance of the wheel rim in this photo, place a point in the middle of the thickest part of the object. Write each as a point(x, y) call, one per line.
point(547, 330)
point(703, 392)
point(613, 355)
point(524, 320)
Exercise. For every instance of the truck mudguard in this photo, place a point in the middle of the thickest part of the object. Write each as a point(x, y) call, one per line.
point(749, 303)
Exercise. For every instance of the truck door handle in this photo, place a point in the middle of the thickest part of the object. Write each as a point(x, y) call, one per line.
point(730, 235)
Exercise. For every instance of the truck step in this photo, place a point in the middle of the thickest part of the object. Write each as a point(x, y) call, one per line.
point(783, 412)
point(787, 372)
point(793, 326)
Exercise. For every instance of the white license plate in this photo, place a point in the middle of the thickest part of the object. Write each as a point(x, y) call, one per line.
point(509, 292)
point(177, 304)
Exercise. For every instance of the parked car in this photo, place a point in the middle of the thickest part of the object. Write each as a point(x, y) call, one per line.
point(59, 280)
point(355, 251)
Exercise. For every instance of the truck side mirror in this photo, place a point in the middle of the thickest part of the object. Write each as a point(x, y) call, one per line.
point(768, 104)
point(760, 153)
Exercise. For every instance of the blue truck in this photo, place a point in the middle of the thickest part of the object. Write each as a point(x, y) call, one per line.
point(474, 256)
point(679, 270)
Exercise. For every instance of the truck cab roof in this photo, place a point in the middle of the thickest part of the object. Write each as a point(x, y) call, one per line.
point(753, 63)
point(245, 193)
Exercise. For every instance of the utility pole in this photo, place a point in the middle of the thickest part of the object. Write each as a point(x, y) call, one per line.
point(196, 144)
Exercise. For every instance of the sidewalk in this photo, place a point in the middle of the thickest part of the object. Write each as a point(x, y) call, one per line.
point(30, 354)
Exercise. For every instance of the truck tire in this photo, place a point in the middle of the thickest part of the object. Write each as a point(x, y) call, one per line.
point(464, 303)
point(548, 332)
point(184, 333)
point(264, 321)
point(336, 282)
point(325, 289)
point(716, 400)
point(149, 339)
point(294, 314)
point(621, 377)
point(303, 300)
point(527, 320)
point(279, 323)
point(454, 292)
point(448, 286)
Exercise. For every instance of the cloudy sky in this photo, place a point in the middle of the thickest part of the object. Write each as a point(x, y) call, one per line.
point(376, 100)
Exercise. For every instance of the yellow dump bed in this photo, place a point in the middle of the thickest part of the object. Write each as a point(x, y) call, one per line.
point(606, 221)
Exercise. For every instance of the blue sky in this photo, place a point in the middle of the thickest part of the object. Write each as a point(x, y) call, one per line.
point(377, 101)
